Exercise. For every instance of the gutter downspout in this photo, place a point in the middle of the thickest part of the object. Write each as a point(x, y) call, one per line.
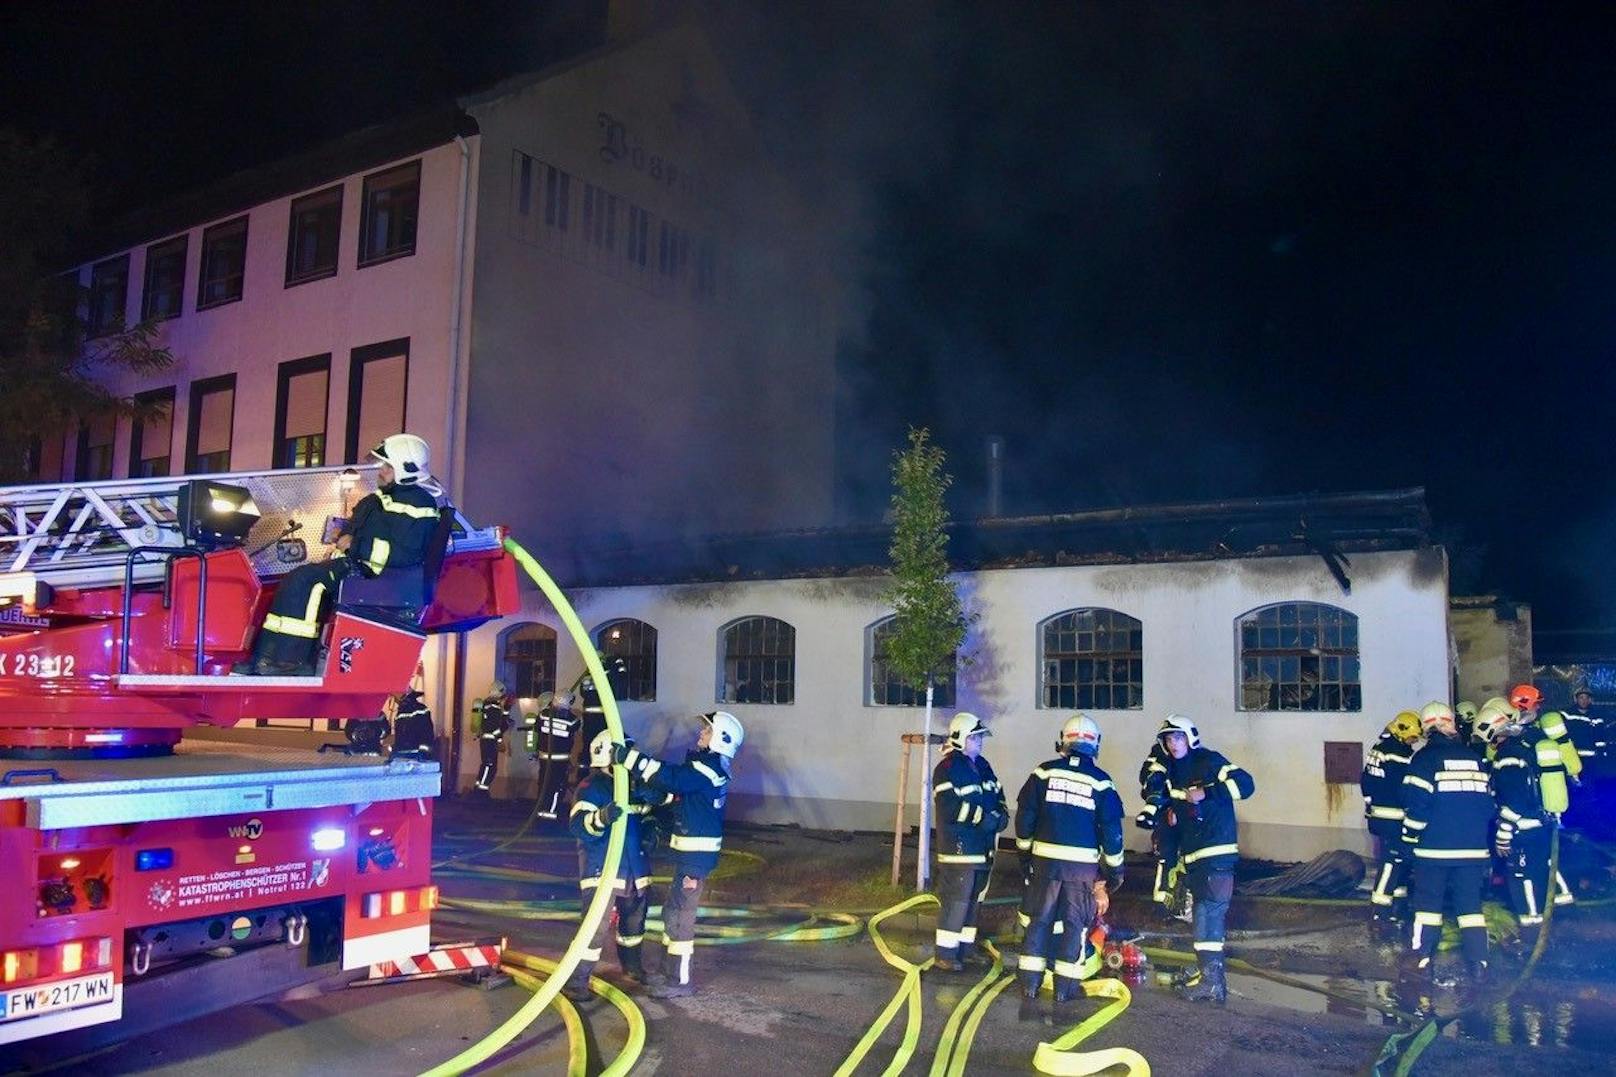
point(450, 701)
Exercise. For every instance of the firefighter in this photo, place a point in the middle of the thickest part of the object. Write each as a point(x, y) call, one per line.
point(1524, 827)
point(1588, 730)
point(493, 714)
point(1447, 814)
point(390, 528)
point(1165, 891)
point(701, 784)
point(1202, 788)
point(414, 734)
point(1382, 785)
point(970, 813)
point(555, 735)
point(365, 735)
point(1464, 716)
point(1558, 763)
point(593, 811)
point(1069, 817)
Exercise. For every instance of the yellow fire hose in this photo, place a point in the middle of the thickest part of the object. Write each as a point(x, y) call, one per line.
point(954, 1047)
point(551, 986)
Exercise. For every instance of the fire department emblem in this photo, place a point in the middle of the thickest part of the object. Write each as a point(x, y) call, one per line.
point(347, 649)
point(319, 873)
point(161, 894)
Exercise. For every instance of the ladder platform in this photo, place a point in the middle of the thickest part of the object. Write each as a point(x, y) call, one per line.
point(212, 682)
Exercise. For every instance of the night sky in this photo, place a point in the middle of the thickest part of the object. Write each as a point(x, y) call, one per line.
point(1165, 251)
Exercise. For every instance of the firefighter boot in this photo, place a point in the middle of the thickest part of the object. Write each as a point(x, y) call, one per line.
point(1211, 987)
point(633, 966)
point(1031, 982)
point(1067, 989)
point(577, 987)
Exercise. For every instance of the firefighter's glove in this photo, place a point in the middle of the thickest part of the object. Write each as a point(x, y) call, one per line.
point(609, 813)
point(1146, 819)
point(622, 753)
point(1503, 842)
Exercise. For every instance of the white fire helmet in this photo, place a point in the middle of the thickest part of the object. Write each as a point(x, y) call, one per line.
point(1437, 715)
point(1497, 720)
point(600, 749)
point(1177, 723)
point(408, 456)
point(727, 733)
point(1079, 736)
point(965, 724)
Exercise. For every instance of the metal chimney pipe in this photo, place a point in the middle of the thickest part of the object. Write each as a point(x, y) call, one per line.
point(995, 474)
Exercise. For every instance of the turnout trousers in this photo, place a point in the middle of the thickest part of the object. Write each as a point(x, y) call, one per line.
point(291, 629)
point(1391, 878)
point(960, 888)
point(629, 919)
point(1057, 897)
point(1458, 882)
point(1529, 883)
point(1213, 890)
point(488, 746)
point(679, 925)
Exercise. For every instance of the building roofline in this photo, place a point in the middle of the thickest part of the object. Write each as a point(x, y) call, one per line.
point(1325, 525)
point(325, 163)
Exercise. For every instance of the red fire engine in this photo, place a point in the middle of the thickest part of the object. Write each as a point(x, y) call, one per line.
point(131, 855)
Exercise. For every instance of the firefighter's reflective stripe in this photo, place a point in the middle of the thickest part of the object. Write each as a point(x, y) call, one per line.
point(1074, 853)
point(1072, 970)
point(1376, 812)
point(679, 947)
point(1031, 963)
point(1231, 849)
point(380, 550)
point(962, 858)
point(1451, 854)
point(1209, 946)
point(630, 940)
point(685, 843)
point(305, 627)
point(1225, 775)
point(1071, 774)
point(590, 954)
point(948, 940)
point(414, 512)
point(708, 772)
point(1024, 844)
point(1472, 919)
point(1421, 782)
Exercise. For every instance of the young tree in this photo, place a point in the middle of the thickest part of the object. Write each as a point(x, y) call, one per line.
point(52, 367)
point(930, 622)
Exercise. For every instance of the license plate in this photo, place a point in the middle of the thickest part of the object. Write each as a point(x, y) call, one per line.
point(60, 995)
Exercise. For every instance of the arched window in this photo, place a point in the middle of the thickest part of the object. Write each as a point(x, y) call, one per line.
point(885, 689)
point(635, 643)
point(1299, 656)
point(1092, 659)
point(759, 661)
point(528, 659)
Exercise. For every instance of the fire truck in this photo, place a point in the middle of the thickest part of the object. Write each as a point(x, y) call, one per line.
point(149, 875)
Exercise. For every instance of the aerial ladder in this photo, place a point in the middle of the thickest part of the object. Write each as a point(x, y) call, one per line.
point(128, 851)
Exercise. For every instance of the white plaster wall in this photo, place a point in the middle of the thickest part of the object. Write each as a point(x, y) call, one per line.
point(272, 323)
point(830, 760)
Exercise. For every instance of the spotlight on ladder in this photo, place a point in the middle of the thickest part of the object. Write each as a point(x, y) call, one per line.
point(215, 514)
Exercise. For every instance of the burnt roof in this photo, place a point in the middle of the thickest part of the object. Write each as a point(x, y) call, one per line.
point(1321, 524)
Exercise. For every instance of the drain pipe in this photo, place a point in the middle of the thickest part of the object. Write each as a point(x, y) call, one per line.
point(450, 696)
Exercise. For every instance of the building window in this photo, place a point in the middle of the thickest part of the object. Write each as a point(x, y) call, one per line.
point(165, 280)
point(529, 660)
point(885, 687)
point(1092, 659)
point(1299, 656)
point(213, 414)
point(94, 460)
point(600, 218)
point(387, 220)
point(639, 234)
point(109, 292)
point(759, 662)
point(378, 384)
point(313, 236)
point(557, 198)
point(301, 395)
point(224, 264)
point(635, 642)
point(151, 438)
